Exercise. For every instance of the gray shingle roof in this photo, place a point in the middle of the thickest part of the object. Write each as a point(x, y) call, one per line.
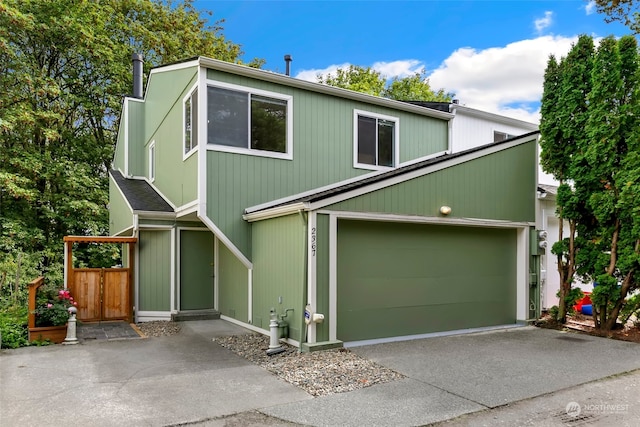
point(140, 195)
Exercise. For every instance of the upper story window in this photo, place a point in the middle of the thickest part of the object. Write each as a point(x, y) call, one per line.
point(244, 120)
point(190, 122)
point(375, 140)
point(152, 161)
point(501, 136)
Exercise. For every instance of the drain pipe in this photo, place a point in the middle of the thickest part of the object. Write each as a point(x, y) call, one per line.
point(274, 341)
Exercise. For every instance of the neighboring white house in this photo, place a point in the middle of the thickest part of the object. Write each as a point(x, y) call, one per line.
point(470, 127)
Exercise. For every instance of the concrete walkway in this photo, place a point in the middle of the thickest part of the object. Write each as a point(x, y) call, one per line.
point(477, 379)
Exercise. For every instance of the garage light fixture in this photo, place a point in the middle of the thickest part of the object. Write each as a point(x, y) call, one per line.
point(445, 210)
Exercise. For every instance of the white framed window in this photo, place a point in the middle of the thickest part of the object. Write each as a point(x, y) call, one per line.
point(152, 161)
point(190, 122)
point(375, 144)
point(501, 136)
point(249, 121)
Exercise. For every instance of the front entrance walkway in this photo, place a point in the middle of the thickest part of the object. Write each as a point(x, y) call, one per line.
point(106, 331)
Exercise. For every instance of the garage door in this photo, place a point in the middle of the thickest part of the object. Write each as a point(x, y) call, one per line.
point(398, 279)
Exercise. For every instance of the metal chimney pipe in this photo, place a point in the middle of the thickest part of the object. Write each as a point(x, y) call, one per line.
point(136, 59)
point(287, 60)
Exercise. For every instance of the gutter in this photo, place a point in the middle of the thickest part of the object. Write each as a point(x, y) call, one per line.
point(276, 212)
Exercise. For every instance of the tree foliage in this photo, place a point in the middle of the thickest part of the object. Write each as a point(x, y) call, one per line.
point(64, 69)
point(625, 11)
point(367, 80)
point(589, 139)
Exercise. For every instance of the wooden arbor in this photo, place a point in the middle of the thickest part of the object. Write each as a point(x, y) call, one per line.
point(101, 293)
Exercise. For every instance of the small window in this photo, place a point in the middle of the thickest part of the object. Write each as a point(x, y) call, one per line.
point(152, 161)
point(249, 121)
point(376, 141)
point(501, 136)
point(191, 122)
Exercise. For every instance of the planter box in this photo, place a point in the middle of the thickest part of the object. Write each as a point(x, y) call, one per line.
point(55, 334)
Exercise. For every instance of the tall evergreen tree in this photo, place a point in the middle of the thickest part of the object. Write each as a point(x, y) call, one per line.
point(590, 142)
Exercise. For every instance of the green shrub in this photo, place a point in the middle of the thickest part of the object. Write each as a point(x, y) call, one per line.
point(14, 326)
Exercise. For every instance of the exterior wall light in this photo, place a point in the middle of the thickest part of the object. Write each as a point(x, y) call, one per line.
point(445, 210)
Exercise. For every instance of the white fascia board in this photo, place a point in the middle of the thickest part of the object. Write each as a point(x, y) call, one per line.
point(418, 173)
point(492, 117)
point(224, 239)
point(466, 222)
point(127, 232)
point(189, 208)
point(276, 212)
point(272, 77)
point(155, 214)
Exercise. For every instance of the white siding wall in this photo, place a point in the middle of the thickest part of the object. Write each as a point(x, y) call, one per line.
point(469, 131)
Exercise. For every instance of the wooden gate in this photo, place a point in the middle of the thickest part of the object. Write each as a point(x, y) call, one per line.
point(101, 293)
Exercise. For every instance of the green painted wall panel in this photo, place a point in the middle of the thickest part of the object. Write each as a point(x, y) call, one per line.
point(136, 137)
point(233, 290)
point(279, 271)
point(499, 186)
point(322, 155)
point(322, 276)
point(399, 279)
point(120, 216)
point(175, 178)
point(154, 270)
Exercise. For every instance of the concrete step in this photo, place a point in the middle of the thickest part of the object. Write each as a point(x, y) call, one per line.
point(184, 316)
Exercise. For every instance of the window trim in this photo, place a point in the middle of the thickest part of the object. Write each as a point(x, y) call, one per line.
point(507, 135)
point(288, 155)
point(396, 140)
point(152, 161)
point(188, 97)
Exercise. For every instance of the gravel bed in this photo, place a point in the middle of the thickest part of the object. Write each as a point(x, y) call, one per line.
point(159, 328)
point(318, 373)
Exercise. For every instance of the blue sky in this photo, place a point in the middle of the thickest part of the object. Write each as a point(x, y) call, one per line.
point(491, 54)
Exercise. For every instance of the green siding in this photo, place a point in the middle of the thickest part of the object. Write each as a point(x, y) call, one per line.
point(175, 178)
point(137, 139)
point(279, 271)
point(322, 155)
point(196, 270)
point(500, 186)
point(399, 279)
point(120, 216)
point(322, 276)
point(233, 290)
point(154, 271)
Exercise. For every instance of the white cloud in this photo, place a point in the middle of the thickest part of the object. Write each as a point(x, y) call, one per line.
point(543, 23)
point(311, 75)
point(504, 80)
point(590, 8)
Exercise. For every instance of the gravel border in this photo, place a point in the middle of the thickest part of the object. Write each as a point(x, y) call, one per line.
point(159, 328)
point(318, 373)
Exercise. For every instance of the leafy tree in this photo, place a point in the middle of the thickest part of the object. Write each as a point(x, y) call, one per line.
point(625, 11)
point(64, 69)
point(372, 82)
point(589, 142)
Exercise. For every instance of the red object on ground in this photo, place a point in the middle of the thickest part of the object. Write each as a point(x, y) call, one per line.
point(585, 300)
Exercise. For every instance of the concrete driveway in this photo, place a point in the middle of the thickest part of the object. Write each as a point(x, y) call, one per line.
point(188, 379)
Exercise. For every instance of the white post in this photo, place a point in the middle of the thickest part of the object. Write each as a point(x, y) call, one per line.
point(71, 327)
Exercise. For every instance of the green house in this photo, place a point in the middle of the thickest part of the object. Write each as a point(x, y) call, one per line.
point(252, 192)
